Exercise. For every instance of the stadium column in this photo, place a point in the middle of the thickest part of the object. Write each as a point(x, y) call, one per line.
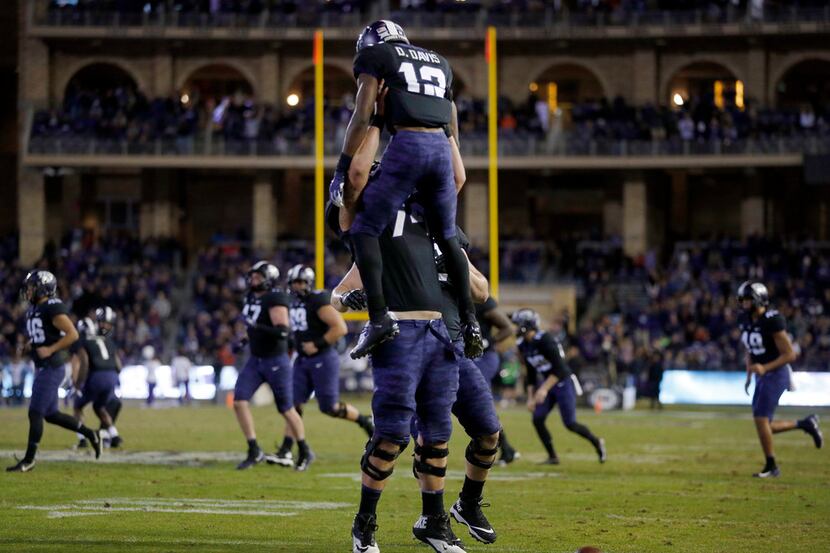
point(644, 79)
point(264, 213)
point(163, 75)
point(474, 197)
point(269, 78)
point(752, 216)
point(31, 214)
point(755, 86)
point(157, 217)
point(635, 216)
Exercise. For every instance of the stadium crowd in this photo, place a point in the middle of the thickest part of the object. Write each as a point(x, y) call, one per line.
point(124, 114)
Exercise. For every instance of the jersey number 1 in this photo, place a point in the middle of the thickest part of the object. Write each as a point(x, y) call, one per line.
point(432, 80)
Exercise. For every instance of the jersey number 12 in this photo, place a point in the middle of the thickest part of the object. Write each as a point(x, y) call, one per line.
point(433, 82)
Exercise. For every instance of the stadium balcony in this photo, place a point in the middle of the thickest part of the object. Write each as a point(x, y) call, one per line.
point(467, 22)
point(516, 151)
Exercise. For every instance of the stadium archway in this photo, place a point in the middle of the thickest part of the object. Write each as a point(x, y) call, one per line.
point(567, 83)
point(100, 77)
point(216, 81)
point(339, 87)
point(804, 82)
point(702, 80)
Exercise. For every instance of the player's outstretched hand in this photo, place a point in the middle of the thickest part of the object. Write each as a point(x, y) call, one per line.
point(748, 381)
point(355, 300)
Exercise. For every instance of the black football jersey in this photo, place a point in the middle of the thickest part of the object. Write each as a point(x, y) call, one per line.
point(42, 332)
point(484, 322)
point(545, 356)
point(101, 352)
point(757, 335)
point(306, 325)
point(256, 312)
point(419, 83)
point(410, 279)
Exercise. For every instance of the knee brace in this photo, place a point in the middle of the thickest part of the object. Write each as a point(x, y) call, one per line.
point(428, 452)
point(373, 450)
point(474, 448)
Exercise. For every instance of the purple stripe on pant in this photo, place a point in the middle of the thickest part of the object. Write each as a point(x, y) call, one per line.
point(415, 374)
point(320, 374)
point(276, 371)
point(413, 160)
point(564, 395)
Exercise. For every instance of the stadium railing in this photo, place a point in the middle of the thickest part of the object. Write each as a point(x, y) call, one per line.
point(518, 146)
point(443, 24)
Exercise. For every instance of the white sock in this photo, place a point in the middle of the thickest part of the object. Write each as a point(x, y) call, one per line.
point(104, 434)
point(113, 431)
point(81, 436)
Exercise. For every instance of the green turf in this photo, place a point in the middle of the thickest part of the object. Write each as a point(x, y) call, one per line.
point(677, 481)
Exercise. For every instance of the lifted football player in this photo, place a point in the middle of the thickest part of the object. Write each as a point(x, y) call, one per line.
point(420, 114)
point(769, 353)
point(51, 333)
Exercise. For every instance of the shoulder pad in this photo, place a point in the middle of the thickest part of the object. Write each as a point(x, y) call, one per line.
point(770, 313)
point(53, 301)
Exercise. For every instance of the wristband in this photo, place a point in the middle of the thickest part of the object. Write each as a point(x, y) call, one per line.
point(320, 343)
point(343, 164)
point(378, 121)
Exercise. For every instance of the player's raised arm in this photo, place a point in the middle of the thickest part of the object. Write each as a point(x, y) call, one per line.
point(479, 287)
point(70, 335)
point(349, 294)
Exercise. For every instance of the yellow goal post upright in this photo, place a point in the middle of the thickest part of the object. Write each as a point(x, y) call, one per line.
point(493, 158)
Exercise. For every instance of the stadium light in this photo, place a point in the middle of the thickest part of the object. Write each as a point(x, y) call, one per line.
point(678, 99)
point(185, 98)
point(292, 100)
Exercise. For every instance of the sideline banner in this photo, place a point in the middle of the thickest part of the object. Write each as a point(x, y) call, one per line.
point(727, 388)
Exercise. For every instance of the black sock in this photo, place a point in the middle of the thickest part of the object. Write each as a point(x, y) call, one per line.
point(433, 503)
point(802, 424)
point(370, 264)
point(303, 446)
point(287, 443)
point(35, 434)
point(253, 446)
point(458, 271)
point(583, 431)
point(471, 490)
point(770, 464)
point(503, 443)
point(369, 498)
point(362, 421)
point(545, 436)
point(114, 408)
point(70, 423)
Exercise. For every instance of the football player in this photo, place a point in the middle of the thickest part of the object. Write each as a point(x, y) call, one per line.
point(769, 353)
point(96, 366)
point(489, 317)
point(51, 333)
point(550, 383)
point(265, 314)
point(421, 114)
point(316, 326)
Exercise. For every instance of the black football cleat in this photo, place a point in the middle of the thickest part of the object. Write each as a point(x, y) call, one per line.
point(508, 455)
point(363, 534)
point(253, 458)
point(368, 426)
point(436, 532)
point(812, 428)
point(22, 465)
point(768, 473)
point(470, 515)
point(116, 442)
point(374, 335)
point(97, 443)
point(304, 459)
point(283, 458)
point(473, 340)
point(601, 452)
point(551, 461)
point(83, 443)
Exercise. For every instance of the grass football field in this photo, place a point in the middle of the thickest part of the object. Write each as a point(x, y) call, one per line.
point(676, 481)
